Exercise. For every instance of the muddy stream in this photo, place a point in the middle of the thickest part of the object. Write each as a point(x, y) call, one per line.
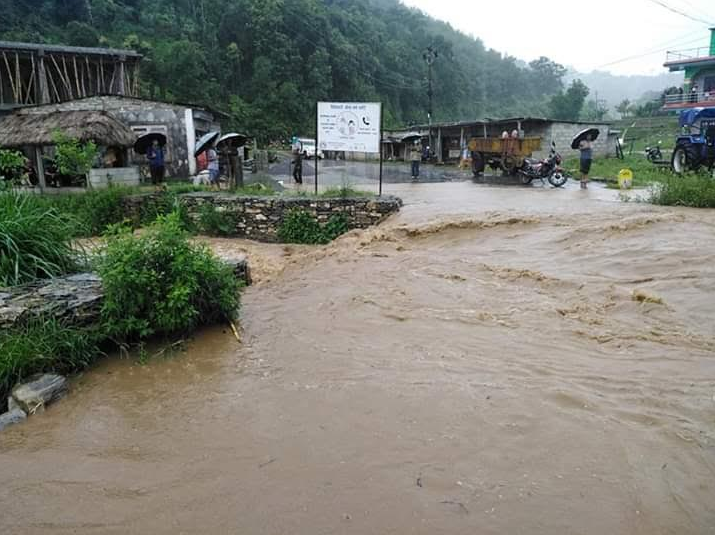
point(491, 360)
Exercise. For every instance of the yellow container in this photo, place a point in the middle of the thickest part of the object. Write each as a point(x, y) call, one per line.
point(625, 179)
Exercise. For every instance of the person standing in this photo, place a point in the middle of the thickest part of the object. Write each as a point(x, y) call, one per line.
point(586, 148)
point(297, 150)
point(416, 158)
point(213, 167)
point(155, 155)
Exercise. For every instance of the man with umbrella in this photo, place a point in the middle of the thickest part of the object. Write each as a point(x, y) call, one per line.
point(583, 141)
point(155, 155)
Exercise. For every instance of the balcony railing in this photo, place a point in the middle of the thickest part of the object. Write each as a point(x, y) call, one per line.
point(699, 98)
point(686, 55)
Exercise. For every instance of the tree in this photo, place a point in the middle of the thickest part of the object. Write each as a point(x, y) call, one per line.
point(81, 34)
point(624, 107)
point(547, 76)
point(594, 111)
point(566, 106)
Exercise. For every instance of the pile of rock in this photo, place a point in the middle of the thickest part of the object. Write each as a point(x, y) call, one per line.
point(32, 397)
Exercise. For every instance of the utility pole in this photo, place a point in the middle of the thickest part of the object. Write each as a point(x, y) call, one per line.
point(430, 55)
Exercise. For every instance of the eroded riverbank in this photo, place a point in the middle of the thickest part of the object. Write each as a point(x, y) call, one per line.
point(477, 364)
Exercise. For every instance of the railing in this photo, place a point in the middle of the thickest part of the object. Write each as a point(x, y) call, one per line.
point(685, 55)
point(690, 98)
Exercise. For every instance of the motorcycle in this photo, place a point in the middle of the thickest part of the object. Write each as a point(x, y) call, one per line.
point(653, 154)
point(549, 168)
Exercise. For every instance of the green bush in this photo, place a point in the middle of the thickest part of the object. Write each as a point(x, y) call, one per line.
point(697, 191)
point(93, 210)
point(44, 346)
point(35, 240)
point(12, 164)
point(72, 156)
point(299, 226)
point(215, 223)
point(161, 283)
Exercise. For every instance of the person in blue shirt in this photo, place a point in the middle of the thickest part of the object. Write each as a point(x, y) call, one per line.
point(155, 154)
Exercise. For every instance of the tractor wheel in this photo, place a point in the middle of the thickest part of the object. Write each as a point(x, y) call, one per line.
point(684, 159)
point(477, 163)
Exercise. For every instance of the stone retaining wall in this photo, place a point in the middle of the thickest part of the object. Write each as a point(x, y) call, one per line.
point(74, 298)
point(258, 218)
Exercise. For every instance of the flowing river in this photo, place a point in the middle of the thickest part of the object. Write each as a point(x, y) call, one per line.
point(491, 360)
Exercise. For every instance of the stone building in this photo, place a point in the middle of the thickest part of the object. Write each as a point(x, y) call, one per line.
point(181, 123)
point(448, 140)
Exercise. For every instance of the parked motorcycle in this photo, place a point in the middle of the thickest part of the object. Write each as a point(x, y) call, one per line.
point(653, 154)
point(549, 168)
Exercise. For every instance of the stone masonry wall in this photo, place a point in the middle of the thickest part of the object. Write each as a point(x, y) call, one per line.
point(76, 299)
point(258, 218)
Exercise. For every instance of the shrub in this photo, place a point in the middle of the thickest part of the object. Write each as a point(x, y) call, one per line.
point(161, 283)
point(300, 226)
point(12, 164)
point(44, 346)
point(72, 157)
point(34, 240)
point(693, 190)
point(93, 210)
point(215, 223)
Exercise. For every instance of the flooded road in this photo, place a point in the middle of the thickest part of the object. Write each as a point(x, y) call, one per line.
point(491, 360)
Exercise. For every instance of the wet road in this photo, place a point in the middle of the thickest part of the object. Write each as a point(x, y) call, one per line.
point(479, 364)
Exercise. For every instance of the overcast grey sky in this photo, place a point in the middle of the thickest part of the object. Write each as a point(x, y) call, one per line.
point(609, 30)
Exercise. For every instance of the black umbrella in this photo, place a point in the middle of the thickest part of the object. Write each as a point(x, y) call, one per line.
point(583, 134)
point(142, 144)
point(232, 140)
point(412, 137)
point(206, 141)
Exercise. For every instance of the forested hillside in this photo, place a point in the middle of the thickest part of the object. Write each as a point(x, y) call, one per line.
point(266, 62)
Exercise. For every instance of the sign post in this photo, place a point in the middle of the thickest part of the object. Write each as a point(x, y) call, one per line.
point(350, 127)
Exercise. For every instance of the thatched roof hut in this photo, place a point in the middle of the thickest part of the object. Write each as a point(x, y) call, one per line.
point(37, 129)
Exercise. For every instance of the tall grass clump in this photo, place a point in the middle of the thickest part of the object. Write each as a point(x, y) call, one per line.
point(35, 240)
point(44, 345)
point(697, 191)
point(160, 283)
point(299, 226)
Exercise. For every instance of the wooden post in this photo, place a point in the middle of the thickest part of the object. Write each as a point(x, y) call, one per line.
point(40, 168)
point(89, 75)
point(42, 74)
point(18, 78)
point(67, 78)
point(121, 88)
point(10, 77)
point(76, 76)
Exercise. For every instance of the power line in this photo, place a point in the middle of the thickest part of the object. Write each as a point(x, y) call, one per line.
point(681, 13)
point(648, 53)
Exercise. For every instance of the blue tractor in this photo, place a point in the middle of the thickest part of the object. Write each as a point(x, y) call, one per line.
point(695, 147)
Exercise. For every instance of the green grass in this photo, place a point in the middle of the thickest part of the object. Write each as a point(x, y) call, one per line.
point(299, 226)
point(35, 240)
point(345, 192)
point(44, 345)
point(694, 190)
point(648, 131)
point(644, 172)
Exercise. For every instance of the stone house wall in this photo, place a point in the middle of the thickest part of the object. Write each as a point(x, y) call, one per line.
point(179, 123)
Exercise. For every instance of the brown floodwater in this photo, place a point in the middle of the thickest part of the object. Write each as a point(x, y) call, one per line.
point(491, 360)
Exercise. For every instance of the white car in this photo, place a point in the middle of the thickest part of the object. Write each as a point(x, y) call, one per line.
point(309, 148)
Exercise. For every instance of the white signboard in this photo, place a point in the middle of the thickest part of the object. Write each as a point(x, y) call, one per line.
point(349, 126)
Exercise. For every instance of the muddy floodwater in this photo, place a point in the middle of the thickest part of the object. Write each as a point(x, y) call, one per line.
point(491, 360)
